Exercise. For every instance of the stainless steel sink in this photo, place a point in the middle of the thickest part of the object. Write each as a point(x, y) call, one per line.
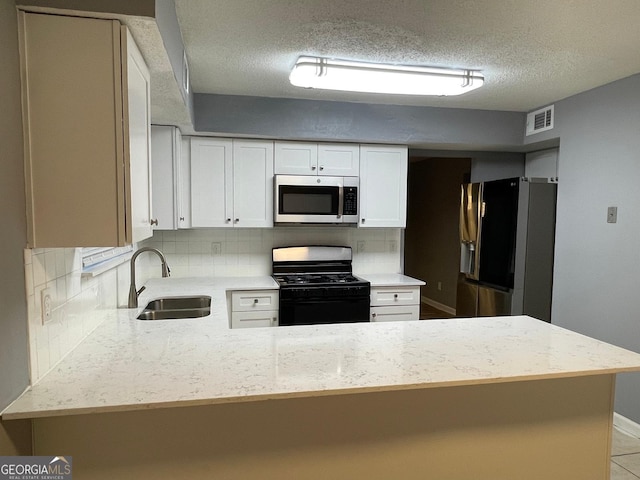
point(176, 307)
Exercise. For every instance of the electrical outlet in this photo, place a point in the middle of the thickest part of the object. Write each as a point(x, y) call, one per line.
point(360, 246)
point(439, 286)
point(612, 214)
point(393, 246)
point(46, 304)
point(216, 248)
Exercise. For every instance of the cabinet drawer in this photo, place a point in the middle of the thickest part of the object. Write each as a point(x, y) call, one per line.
point(247, 301)
point(395, 313)
point(260, 318)
point(395, 296)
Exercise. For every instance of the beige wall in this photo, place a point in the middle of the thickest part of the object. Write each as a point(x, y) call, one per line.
point(14, 367)
point(432, 251)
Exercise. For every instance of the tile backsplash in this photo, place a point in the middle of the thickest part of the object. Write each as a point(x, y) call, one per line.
point(246, 252)
point(80, 304)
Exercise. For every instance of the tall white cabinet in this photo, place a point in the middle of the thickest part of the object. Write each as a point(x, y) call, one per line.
point(231, 183)
point(86, 109)
point(383, 186)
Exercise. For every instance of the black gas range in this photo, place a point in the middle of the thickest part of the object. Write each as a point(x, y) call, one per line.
point(317, 286)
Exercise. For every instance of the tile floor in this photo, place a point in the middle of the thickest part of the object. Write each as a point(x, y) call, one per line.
point(625, 456)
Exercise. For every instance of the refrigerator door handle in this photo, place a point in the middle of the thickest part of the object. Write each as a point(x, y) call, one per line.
point(467, 258)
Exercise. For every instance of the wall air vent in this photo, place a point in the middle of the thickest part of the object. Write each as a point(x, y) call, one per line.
point(540, 120)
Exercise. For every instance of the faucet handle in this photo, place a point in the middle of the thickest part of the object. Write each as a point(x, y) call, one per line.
point(141, 290)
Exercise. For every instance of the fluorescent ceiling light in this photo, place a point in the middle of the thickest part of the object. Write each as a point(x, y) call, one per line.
point(330, 74)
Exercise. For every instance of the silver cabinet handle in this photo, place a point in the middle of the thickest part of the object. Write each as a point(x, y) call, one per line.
point(374, 315)
point(313, 167)
point(154, 222)
point(255, 300)
point(395, 295)
point(321, 168)
point(237, 220)
point(182, 219)
point(362, 221)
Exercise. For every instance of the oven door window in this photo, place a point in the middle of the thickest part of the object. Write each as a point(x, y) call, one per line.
point(308, 200)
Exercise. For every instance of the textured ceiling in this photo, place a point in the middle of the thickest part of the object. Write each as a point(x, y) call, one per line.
point(531, 53)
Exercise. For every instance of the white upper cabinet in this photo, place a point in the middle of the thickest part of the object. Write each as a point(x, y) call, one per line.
point(231, 183)
point(339, 160)
point(86, 132)
point(383, 186)
point(252, 183)
point(184, 184)
point(137, 103)
point(211, 182)
point(165, 155)
point(330, 159)
point(296, 158)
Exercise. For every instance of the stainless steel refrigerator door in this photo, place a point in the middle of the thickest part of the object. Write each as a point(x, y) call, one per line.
point(466, 298)
point(470, 203)
point(492, 302)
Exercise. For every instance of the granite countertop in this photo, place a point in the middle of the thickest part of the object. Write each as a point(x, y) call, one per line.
point(128, 364)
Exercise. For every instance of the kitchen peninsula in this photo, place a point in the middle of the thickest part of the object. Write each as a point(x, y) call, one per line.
point(482, 398)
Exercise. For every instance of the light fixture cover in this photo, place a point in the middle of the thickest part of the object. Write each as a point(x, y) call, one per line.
point(331, 74)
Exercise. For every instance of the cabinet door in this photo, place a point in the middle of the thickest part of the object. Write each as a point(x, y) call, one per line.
point(138, 108)
point(165, 148)
point(265, 318)
point(395, 314)
point(252, 300)
point(383, 186)
point(184, 183)
point(211, 182)
point(296, 158)
point(252, 183)
point(338, 160)
point(395, 296)
point(73, 117)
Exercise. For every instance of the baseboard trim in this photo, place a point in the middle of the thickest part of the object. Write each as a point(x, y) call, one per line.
point(626, 425)
point(438, 305)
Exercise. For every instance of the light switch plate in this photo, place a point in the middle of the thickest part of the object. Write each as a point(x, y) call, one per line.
point(612, 214)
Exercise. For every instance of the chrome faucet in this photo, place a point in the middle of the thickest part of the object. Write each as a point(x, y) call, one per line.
point(133, 293)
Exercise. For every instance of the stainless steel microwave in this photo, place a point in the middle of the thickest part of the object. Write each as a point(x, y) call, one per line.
point(315, 199)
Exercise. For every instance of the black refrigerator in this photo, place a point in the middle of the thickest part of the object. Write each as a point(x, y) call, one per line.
point(507, 233)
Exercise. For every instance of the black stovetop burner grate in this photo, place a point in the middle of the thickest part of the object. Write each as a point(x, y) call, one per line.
point(313, 279)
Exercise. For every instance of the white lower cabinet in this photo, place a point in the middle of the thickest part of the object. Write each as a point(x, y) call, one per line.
point(390, 304)
point(254, 308)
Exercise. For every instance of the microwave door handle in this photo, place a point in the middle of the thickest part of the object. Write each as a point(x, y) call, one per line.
point(340, 201)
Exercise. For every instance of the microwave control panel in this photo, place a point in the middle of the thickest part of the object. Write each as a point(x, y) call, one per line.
point(350, 206)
